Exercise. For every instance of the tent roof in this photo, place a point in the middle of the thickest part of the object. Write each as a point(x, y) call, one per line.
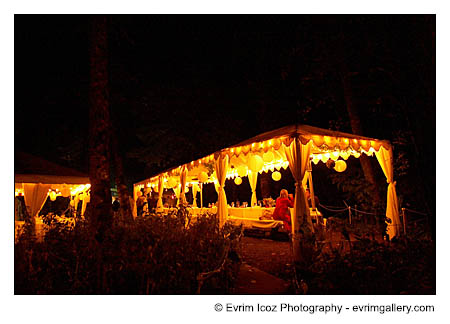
point(32, 169)
point(306, 130)
point(319, 136)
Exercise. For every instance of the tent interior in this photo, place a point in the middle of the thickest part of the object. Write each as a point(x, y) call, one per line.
point(37, 179)
point(294, 147)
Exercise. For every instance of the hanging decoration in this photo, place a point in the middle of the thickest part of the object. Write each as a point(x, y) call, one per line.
point(52, 195)
point(330, 164)
point(238, 181)
point(340, 166)
point(203, 176)
point(242, 170)
point(268, 156)
point(255, 163)
point(276, 176)
point(171, 183)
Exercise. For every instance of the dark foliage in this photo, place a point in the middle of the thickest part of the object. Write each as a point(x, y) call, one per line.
point(370, 266)
point(158, 254)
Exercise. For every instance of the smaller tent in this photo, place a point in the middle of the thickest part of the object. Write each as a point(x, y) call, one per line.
point(36, 179)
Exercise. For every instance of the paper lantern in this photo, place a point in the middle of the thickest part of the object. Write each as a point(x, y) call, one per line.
point(238, 181)
point(268, 156)
point(242, 170)
point(186, 190)
point(255, 163)
point(171, 183)
point(72, 203)
point(52, 195)
point(340, 166)
point(276, 176)
point(203, 176)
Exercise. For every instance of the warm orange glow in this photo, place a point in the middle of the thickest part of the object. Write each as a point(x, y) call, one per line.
point(340, 166)
point(276, 176)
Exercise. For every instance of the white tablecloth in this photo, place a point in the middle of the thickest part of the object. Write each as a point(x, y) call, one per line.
point(249, 212)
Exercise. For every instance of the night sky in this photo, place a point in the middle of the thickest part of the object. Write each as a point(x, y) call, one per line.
point(185, 86)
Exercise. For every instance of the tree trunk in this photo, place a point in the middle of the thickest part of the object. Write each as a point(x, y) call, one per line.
point(124, 196)
point(99, 130)
point(355, 122)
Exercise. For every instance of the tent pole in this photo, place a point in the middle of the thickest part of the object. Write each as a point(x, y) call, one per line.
point(311, 187)
point(201, 195)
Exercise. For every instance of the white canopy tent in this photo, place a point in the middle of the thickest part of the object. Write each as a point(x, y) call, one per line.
point(294, 146)
point(36, 179)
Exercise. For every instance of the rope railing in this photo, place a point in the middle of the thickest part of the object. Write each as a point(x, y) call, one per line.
point(342, 209)
point(333, 210)
point(415, 211)
point(364, 212)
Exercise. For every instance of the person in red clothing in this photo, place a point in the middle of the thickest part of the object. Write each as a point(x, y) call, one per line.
point(281, 211)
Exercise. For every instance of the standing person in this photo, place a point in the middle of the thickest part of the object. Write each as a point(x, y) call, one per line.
point(281, 212)
point(140, 203)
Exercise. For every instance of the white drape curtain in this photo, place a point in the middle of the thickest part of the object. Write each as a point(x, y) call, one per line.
point(221, 167)
point(86, 200)
point(133, 205)
point(305, 180)
point(385, 158)
point(76, 199)
point(159, 204)
point(195, 189)
point(297, 155)
point(176, 190)
point(253, 179)
point(216, 186)
point(183, 176)
point(35, 196)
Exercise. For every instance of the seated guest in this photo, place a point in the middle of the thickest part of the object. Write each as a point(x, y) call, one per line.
point(308, 197)
point(281, 211)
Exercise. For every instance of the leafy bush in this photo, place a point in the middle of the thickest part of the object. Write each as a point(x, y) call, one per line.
point(157, 254)
point(368, 266)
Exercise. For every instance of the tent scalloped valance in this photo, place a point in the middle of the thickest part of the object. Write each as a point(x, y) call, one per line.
point(323, 140)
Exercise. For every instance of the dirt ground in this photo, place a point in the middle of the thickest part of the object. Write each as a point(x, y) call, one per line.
point(271, 256)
